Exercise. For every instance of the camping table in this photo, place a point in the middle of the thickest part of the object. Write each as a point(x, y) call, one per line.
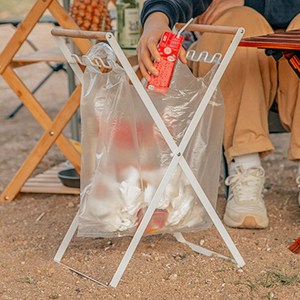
point(279, 44)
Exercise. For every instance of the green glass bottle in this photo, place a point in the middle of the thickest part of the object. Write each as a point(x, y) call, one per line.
point(128, 23)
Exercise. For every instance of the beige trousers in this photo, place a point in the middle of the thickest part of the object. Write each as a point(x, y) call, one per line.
point(249, 86)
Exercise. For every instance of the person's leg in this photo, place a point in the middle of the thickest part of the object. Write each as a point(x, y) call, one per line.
point(249, 88)
point(248, 85)
point(289, 103)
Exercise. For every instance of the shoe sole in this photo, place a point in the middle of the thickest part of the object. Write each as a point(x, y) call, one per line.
point(248, 222)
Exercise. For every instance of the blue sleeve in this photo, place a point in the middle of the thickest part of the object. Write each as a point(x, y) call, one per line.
point(278, 13)
point(258, 5)
point(175, 10)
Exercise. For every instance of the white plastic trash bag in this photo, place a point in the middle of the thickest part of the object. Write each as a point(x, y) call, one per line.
point(124, 155)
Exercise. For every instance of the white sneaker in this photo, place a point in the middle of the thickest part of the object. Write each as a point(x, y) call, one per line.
point(298, 183)
point(245, 207)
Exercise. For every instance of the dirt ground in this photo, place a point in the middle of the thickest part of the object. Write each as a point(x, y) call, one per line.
point(33, 225)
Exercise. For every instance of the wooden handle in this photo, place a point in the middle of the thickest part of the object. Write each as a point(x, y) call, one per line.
point(80, 34)
point(208, 28)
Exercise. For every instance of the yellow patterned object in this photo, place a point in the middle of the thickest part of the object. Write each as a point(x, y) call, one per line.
point(91, 15)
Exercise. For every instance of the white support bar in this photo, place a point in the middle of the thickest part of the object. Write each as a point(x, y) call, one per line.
point(179, 237)
point(212, 213)
point(177, 151)
point(211, 88)
point(67, 239)
point(84, 275)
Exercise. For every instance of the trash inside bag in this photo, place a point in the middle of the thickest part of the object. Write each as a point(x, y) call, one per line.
point(125, 156)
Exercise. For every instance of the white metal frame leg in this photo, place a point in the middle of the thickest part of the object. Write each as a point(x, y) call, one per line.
point(67, 239)
point(178, 159)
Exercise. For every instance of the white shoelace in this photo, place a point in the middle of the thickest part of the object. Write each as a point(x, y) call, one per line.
point(247, 184)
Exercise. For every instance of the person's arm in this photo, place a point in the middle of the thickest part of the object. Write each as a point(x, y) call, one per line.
point(155, 25)
point(157, 17)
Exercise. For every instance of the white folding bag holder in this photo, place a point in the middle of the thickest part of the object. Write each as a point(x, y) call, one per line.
point(177, 151)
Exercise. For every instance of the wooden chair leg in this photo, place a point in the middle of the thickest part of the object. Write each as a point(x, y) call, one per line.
point(54, 128)
point(39, 113)
point(48, 139)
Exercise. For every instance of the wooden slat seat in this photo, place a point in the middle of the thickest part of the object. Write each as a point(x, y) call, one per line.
point(48, 182)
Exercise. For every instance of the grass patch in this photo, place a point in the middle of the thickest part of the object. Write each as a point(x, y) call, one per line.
point(270, 280)
point(274, 278)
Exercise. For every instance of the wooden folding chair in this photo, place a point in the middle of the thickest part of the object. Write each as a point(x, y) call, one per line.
point(53, 128)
